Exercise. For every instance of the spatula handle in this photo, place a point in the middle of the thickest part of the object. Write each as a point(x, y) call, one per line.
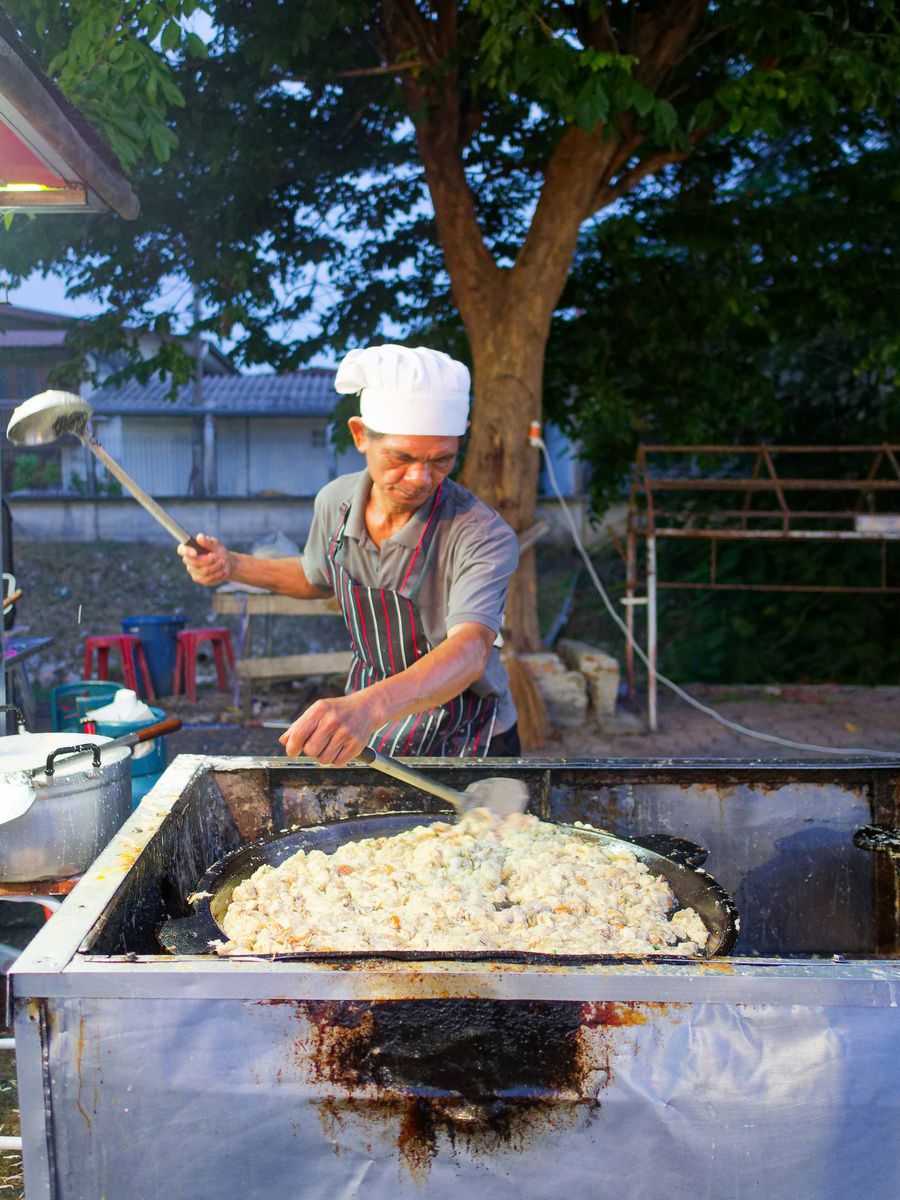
point(415, 779)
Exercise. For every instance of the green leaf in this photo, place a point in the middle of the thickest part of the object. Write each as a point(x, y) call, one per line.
point(155, 26)
point(666, 119)
point(591, 106)
point(642, 100)
point(196, 45)
point(171, 36)
point(161, 142)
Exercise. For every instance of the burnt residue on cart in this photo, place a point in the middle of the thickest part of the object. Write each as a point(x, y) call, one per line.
point(485, 1074)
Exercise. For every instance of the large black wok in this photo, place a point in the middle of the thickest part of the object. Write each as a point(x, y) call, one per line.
point(677, 860)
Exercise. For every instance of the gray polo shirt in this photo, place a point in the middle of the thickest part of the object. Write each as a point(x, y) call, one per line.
point(471, 557)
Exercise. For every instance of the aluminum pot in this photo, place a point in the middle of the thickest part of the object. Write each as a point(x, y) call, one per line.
point(75, 812)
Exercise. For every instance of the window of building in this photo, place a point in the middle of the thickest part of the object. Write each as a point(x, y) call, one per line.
point(28, 382)
point(19, 382)
point(318, 439)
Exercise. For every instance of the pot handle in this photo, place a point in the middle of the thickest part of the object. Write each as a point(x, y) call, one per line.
point(878, 837)
point(17, 713)
point(86, 748)
point(190, 935)
point(679, 850)
point(172, 725)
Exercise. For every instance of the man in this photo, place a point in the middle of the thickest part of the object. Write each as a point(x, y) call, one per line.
point(420, 567)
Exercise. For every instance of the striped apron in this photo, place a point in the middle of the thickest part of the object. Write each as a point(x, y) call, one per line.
point(387, 636)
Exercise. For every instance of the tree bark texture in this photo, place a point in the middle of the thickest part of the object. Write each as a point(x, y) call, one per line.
point(507, 311)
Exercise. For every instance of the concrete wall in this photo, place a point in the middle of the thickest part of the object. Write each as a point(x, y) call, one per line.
point(234, 520)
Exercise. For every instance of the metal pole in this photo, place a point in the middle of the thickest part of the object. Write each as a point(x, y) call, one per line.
point(197, 482)
point(651, 631)
point(209, 455)
point(630, 573)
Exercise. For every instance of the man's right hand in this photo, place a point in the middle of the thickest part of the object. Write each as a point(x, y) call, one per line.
point(211, 569)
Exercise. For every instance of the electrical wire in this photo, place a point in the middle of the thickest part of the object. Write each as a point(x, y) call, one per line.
point(538, 441)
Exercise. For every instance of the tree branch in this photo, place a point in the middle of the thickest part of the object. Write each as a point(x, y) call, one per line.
point(357, 72)
point(570, 181)
point(407, 13)
point(607, 193)
point(607, 29)
point(713, 33)
point(436, 109)
point(659, 42)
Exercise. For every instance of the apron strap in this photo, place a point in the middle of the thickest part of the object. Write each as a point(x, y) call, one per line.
point(425, 546)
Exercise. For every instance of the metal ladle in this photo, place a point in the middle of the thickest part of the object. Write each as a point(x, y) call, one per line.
point(501, 796)
point(46, 417)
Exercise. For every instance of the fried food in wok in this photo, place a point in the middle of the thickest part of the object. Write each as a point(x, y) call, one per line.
point(482, 884)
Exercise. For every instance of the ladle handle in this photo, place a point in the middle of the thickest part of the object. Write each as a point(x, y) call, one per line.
point(178, 532)
point(415, 779)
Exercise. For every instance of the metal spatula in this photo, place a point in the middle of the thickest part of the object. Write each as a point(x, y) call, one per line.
point(501, 796)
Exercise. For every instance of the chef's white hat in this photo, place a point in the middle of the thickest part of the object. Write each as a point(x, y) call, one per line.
point(408, 391)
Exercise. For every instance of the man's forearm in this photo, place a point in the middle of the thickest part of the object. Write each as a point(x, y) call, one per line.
point(285, 576)
point(438, 676)
point(333, 730)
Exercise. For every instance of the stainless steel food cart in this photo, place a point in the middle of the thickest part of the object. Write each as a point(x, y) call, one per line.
point(770, 1073)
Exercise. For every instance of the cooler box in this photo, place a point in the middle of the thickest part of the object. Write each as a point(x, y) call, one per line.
point(65, 710)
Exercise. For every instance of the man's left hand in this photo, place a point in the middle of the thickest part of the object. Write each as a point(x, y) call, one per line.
point(333, 731)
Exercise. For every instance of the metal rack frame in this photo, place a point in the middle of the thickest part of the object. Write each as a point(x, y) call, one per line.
point(647, 520)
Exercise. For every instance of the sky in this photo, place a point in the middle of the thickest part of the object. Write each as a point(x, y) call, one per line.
point(48, 294)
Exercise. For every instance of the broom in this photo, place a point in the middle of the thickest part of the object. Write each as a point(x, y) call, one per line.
point(532, 712)
point(533, 724)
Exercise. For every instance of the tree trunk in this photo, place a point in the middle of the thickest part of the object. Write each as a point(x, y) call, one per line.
point(501, 467)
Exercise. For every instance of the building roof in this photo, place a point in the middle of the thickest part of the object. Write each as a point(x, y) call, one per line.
point(46, 141)
point(308, 393)
point(13, 317)
point(26, 329)
point(31, 337)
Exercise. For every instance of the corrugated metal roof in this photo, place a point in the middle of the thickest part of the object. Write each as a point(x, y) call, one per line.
point(308, 393)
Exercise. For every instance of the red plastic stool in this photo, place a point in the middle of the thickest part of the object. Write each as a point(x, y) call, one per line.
point(186, 658)
point(129, 646)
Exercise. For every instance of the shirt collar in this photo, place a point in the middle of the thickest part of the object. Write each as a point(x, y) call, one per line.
point(411, 533)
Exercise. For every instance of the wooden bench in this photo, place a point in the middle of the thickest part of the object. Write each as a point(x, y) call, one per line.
point(287, 666)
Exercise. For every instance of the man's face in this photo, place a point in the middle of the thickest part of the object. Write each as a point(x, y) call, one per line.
point(406, 470)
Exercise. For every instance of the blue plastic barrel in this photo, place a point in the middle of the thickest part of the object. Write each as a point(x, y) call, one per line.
point(64, 712)
point(159, 637)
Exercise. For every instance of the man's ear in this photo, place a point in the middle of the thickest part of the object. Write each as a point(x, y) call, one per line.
point(358, 433)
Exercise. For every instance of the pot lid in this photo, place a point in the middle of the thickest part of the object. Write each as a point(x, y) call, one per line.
point(24, 751)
